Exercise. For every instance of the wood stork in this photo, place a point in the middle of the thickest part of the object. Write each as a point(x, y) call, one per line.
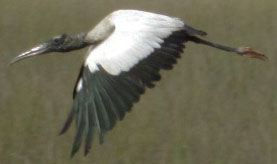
point(127, 49)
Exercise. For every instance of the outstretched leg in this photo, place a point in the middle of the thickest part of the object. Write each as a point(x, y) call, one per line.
point(242, 51)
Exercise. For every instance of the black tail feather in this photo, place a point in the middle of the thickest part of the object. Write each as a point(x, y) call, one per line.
point(193, 31)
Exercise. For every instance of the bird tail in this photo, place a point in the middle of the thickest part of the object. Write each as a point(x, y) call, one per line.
point(192, 31)
point(241, 51)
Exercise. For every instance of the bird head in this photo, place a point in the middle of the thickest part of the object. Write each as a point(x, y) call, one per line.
point(61, 43)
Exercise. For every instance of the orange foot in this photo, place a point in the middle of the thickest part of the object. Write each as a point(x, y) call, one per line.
point(249, 52)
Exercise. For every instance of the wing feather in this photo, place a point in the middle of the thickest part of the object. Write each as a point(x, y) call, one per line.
point(136, 36)
point(109, 106)
point(89, 130)
point(101, 110)
point(80, 130)
point(118, 71)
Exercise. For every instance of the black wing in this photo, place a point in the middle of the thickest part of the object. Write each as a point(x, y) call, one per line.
point(104, 98)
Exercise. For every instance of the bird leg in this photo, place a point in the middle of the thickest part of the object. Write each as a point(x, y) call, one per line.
point(241, 51)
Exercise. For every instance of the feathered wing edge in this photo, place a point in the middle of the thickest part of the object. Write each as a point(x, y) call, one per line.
point(102, 101)
point(105, 98)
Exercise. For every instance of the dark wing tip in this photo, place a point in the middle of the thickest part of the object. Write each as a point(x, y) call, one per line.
point(87, 149)
point(101, 138)
point(78, 137)
point(67, 123)
point(72, 154)
point(74, 151)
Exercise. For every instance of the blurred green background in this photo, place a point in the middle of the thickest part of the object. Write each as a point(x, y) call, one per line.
point(214, 107)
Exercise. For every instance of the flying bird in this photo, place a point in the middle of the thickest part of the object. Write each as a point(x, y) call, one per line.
point(127, 49)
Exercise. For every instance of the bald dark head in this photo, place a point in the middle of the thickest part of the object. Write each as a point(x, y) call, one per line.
point(61, 43)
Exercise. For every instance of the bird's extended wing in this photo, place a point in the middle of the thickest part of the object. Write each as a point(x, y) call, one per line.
point(118, 70)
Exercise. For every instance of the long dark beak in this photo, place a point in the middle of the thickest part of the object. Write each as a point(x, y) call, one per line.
point(40, 49)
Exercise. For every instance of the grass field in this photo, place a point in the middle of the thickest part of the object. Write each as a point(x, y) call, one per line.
point(213, 108)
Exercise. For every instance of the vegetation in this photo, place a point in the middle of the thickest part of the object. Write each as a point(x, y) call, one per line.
point(212, 108)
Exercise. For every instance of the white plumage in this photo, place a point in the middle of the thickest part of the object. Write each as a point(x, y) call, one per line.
point(127, 49)
point(136, 35)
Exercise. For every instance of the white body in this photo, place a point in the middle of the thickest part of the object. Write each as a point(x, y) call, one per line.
point(132, 36)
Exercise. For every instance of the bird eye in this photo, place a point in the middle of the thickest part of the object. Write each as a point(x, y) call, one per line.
point(56, 40)
point(59, 39)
